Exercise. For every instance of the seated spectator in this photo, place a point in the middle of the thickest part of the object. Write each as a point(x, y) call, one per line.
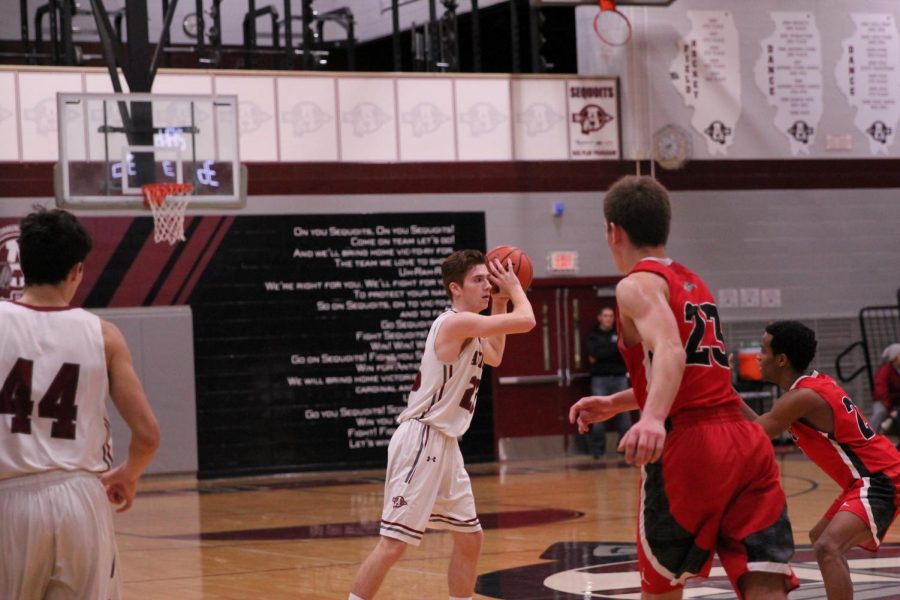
point(886, 396)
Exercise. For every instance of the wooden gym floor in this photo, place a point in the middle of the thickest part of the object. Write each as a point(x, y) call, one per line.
point(556, 529)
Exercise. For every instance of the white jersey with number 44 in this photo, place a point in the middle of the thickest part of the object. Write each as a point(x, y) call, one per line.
point(53, 391)
point(444, 394)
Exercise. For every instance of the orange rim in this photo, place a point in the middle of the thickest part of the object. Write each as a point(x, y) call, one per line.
point(156, 193)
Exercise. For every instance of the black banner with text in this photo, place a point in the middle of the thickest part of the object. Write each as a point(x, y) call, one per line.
point(308, 332)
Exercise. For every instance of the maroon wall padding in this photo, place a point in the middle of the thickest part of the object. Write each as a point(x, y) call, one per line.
point(28, 180)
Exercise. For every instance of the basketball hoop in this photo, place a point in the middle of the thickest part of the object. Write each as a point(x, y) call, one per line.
point(167, 202)
point(611, 26)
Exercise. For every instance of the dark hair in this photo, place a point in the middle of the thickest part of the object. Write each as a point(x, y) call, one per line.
point(640, 206)
point(795, 340)
point(51, 242)
point(455, 267)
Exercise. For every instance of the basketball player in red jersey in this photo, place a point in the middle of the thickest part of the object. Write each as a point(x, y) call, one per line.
point(58, 366)
point(831, 430)
point(709, 483)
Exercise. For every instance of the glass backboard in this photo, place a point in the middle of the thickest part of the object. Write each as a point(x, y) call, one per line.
point(112, 144)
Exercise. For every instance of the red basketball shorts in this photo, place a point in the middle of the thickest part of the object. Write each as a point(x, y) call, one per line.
point(715, 490)
point(874, 500)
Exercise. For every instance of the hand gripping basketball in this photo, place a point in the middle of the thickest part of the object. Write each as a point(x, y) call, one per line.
point(521, 264)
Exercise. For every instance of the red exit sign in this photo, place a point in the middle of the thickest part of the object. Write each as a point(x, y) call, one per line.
point(563, 260)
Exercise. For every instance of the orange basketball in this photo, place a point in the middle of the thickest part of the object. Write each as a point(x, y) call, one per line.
point(521, 264)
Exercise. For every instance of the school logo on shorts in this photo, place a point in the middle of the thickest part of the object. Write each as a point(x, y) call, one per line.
point(609, 571)
point(398, 501)
point(12, 281)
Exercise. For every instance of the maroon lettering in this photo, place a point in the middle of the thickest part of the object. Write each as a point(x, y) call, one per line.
point(58, 403)
point(467, 401)
point(15, 396)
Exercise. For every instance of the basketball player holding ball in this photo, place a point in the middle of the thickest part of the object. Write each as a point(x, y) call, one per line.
point(426, 484)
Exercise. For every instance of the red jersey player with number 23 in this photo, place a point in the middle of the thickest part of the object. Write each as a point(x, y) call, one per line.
point(709, 483)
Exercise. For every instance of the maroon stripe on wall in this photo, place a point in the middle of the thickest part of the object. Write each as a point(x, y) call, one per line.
point(142, 273)
point(28, 180)
point(106, 233)
point(190, 254)
point(552, 176)
point(208, 253)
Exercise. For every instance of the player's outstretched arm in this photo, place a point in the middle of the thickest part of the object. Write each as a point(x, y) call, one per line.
point(129, 399)
point(643, 300)
point(797, 404)
point(593, 409)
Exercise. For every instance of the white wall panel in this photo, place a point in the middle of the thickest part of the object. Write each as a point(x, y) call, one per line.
point(37, 111)
point(539, 119)
point(368, 120)
point(175, 83)
point(307, 122)
point(256, 118)
point(483, 119)
point(9, 130)
point(426, 120)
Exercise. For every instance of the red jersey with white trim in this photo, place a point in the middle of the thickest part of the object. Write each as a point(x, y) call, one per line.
point(854, 450)
point(53, 391)
point(707, 377)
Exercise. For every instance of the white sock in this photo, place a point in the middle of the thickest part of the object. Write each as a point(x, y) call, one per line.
point(354, 597)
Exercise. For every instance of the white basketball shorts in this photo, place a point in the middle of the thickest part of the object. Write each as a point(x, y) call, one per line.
point(57, 540)
point(426, 485)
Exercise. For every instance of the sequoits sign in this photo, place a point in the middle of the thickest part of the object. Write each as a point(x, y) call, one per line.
point(604, 570)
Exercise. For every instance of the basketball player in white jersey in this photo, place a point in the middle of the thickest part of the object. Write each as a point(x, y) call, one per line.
point(58, 365)
point(426, 483)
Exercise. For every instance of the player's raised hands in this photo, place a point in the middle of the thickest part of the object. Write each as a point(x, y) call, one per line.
point(643, 442)
point(503, 278)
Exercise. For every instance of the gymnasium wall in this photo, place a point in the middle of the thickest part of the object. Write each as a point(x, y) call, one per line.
point(776, 232)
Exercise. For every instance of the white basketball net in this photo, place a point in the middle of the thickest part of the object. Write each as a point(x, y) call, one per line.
point(168, 204)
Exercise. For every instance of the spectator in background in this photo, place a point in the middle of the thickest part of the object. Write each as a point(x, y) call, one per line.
point(886, 396)
point(608, 376)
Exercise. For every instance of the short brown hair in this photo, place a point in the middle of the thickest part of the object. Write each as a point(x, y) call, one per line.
point(455, 267)
point(639, 205)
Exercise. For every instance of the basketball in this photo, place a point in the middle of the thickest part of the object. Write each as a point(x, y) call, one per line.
point(521, 264)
